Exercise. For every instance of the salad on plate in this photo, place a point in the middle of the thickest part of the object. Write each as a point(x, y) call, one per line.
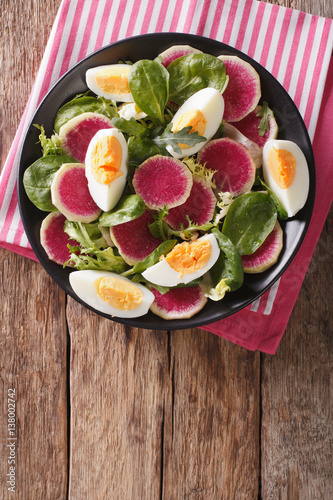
point(164, 183)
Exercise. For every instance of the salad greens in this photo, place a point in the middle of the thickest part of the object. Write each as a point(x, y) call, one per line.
point(128, 208)
point(149, 86)
point(84, 103)
point(38, 178)
point(193, 72)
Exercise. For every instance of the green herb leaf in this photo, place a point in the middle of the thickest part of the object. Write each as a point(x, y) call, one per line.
point(84, 104)
point(128, 208)
point(50, 146)
point(229, 266)
point(265, 112)
point(130, 127)
point(193, 72)
point(249, 220)
point(149, 85)
point(104, 260)
point(93, 252)
point(173, 139)
point(37, 180)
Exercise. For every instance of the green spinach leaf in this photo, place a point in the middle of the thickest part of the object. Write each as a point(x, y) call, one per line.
point(84, 104)
point(149, 84)
point(193, 72)
point(38, 178)
point(128, 208)
point(249, 220)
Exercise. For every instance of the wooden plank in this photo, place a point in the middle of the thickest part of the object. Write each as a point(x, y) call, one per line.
point(119, 384)
point(33, 364)
point(297, 430)
point(32, 307)
point(211, 438)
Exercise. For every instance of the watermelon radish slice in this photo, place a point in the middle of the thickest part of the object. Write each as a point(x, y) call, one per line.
point(199, 206)
point(134, 239)
point(267, 254)
point(172, 53)
point(249, 126)
point(162, 180)
point(70, 194)
point(243, 91)
point(76, 134)
point(178, 303)
point(53, 238)
point(233, 133)
point(233, 163)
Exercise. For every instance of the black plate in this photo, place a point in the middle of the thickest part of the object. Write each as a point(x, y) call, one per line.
point(291, 126)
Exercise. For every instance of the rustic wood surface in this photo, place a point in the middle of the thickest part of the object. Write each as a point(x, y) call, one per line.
point(110, 412)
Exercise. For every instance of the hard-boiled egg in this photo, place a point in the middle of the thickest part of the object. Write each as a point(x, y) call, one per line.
point(110, 81)
point(111, 294)
point(286, 173)
point(106, 167)
point(131, 110)
point(187, 261)
point(203, 111)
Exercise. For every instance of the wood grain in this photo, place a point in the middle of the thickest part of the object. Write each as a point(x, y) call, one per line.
point(297, 430)
point(211, 438)
point(119, 388)
point(32, 311)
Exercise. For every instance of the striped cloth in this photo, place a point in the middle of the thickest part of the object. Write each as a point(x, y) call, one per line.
point(295, 47)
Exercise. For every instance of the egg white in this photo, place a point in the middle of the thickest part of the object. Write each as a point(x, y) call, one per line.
point(129, 110)
point(106, 196)
point(211, 103)
point(294, 197)
point(92, 85)
point(164, 275)
point(83, 284)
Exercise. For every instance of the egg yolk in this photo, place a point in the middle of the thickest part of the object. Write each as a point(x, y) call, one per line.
point(119, 293)
point(282, 166)
point(113, 80)
point(106, 159)
point(188, 257)
point(194, 118)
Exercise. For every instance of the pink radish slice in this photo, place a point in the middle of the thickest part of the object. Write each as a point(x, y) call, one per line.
point(233, 133)
point(162, 180)
point(243, 91)
point(134, 240)
point(267, 254)
point(199, 206)
point(249, 126)
point(233, 162)
point(53, 238)
point(77, 133)
point(178, 303)
point(175, 52)
point(70, 194)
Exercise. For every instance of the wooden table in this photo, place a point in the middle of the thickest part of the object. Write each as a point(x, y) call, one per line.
point(110, 412)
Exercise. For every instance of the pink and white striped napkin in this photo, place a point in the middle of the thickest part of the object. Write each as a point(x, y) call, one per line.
point(295, 47)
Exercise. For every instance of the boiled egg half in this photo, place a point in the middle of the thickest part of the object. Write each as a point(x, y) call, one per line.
point(187, 261)
point(203, 111)
point(110, 81)
point(286, 173)
point(106, 167)
point(111, 294)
